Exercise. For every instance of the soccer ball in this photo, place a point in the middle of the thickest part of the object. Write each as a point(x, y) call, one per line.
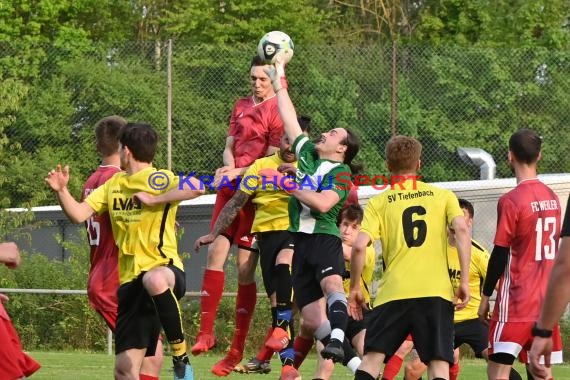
point(274, 42)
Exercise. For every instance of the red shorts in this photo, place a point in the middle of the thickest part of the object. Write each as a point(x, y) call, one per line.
point(239, 232)
point(515, 338)
point(14, 363)
point(102, 293)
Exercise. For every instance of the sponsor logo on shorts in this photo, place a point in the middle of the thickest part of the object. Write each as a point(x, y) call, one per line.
point(326, 270)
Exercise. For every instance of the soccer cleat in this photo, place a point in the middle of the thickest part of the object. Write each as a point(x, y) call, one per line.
point(225, 366)
point(278, 340)
point(183, 370)
point(254, 365)
point(289, 372)
point(204, 343)
point(333, 351)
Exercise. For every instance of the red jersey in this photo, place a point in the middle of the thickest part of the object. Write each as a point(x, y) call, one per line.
point(104, 274)
point(528, 221)
point(254, 128)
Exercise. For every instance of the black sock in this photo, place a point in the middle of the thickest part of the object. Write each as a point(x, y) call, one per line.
point(349, 352)
point(514, 375)
point(363, 375)
point(338, 315)
point(166, 306)
point(283, 291)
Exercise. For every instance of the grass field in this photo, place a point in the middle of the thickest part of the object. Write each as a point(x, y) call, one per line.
point(97, 366)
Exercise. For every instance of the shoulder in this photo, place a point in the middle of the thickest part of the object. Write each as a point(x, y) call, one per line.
point(477, 248)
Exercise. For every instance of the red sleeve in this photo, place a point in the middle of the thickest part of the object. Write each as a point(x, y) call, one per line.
point(507, 218)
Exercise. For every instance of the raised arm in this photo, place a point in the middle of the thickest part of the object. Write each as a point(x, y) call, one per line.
point(186, 191)
point(286, 108)
point(77, 212)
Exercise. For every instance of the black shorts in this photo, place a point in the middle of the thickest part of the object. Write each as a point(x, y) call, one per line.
point(316, 256)
point(270, 244)
point(138, 325)
point(354, 327)
point(474, 333)
point(429, 320)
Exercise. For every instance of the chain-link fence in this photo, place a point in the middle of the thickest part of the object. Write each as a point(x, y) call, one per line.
point(448, 97)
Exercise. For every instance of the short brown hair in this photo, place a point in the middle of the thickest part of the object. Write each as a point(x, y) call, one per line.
point(107, 134)
point(403, 153)
point(525, 145)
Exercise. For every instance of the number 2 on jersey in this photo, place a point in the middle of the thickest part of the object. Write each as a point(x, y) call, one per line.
point(415, 231)
point(93, 231)
point(546, 225)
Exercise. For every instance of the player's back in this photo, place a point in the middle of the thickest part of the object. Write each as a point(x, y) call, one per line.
point(411, 224)
point(528, 221)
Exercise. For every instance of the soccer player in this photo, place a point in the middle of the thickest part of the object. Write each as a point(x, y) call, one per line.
point(151, 272)
point(350, 219)
point(525, 246)
point(414, 294)
point(255, 132)
point(467, 326)
point(103, 279)
point(555, 302)
point(275, 247)
point(14, 363)
point(317, 196)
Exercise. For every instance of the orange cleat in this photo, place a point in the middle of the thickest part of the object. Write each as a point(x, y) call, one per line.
point(204, 343)
point(278, 340)
point(225, 366)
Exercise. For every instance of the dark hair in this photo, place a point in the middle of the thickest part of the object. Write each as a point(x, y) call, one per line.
point(352, 143)
point(141, 139)
point(106, 134)
point(465, 204)
point(304, 123)
point(525, 145)
point(403, 153)
point(352, 212)
point(256, 60)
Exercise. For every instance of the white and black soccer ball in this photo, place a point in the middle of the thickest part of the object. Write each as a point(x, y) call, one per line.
point(274, 42)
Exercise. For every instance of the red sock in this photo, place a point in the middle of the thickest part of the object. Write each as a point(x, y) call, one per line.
point(211, 295)
point(265, 353)
point(147, 377)
point(454, 371)
point(245, 306)
point(392, 367)
point(301, 346)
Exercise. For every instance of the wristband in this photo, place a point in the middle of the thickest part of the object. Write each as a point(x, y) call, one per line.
point(279, 84)
point(542, 333)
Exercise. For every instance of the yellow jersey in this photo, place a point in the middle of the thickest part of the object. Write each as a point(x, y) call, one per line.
point(477, 274)
point(367, 273)
point(411, 222)
point(271, 204)
point(145, 236)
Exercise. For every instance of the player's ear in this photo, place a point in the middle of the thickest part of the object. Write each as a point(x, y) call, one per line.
point(418, 165)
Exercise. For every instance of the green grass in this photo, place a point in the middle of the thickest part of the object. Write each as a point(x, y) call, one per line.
point(97, 366)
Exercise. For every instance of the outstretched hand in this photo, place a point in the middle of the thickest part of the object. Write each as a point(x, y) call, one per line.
point(58, 178)
point(203, 240)
point(356, 303)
